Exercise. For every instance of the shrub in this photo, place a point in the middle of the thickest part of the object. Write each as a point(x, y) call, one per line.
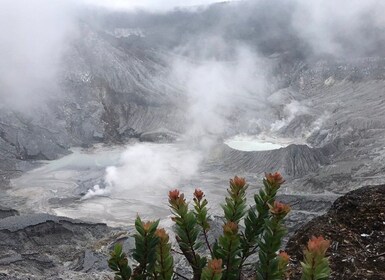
point(315, 265)
point(119, 263)
point(263, 234)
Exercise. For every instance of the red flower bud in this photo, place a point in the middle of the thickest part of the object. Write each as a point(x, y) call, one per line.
point(230, 228)
point(147, 225)
point(318, 245)
point(173, 195)
point(198, 194)
point(161, 233)
point(284, 257)
point(275, 179)
point(176, 199)
point(215, 265)
point(238, 182)
point(279, 209)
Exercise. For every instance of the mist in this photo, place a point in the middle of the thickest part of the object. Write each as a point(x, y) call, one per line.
point(34, 35)
point(148, 5)
point(341, 28)
point(227, 77)
point(222, 59)
point(148, 169)
point(220, 90)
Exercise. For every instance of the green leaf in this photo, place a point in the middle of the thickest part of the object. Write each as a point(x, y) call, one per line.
point(118, 263)
point(139, 226)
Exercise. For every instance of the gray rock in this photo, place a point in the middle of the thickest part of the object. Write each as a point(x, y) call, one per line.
point(7, 212)
point(42, 246)
point(292, 161)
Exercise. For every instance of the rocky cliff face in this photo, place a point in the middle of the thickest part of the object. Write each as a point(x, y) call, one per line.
point(109, 92)
point(294, 161)
point(48, 247)
point(350, 99)
point(342, 121)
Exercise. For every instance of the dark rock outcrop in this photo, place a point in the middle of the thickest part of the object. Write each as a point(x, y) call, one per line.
point(356, 226)
point(42, 246)
point(159, 136)
point(7, 212)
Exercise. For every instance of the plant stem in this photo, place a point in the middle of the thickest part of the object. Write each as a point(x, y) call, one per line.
point(180, 275)
point(207, 243)
point(228, 261)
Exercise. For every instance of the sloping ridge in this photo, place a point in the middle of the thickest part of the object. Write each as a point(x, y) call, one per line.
point(292, 161)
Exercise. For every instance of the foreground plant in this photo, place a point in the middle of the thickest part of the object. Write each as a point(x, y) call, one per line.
point(315, 265)
point(228, 247)
point(256, 216)
point(152, 252)
point(270, 242)
point(283, 262)
point(235, 207)
point(263, 234)
point(164, 264)
point(200, 211)
point(213, 270)
point(118, 262)
point(145, 249)
point(187, 231)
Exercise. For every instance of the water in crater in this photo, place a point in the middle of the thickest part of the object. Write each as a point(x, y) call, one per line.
point(114, 184)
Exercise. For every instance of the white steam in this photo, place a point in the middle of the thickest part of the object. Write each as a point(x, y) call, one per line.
point(152, 5)
point(34, 35)
point(218, 90)
point(325, 25)
point(96, 191)
point(290, 111)
point(148, 169)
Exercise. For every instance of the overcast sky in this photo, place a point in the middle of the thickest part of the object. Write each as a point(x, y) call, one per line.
point(152, 5)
